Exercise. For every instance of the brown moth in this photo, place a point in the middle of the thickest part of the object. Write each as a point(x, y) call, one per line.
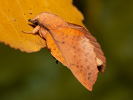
point(72, 45)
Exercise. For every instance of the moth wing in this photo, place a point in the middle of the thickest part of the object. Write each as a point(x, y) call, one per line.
point(97, 47)
point(78, 53)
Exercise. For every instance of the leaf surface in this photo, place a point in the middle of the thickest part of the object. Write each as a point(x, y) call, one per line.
point(14, 15)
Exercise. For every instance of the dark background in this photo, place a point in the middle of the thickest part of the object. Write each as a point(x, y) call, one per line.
point(36, 76)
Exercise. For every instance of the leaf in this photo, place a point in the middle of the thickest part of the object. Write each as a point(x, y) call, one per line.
point(15, 13)
point(72, 45)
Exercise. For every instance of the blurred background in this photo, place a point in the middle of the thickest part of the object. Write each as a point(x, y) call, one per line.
point(36, 76)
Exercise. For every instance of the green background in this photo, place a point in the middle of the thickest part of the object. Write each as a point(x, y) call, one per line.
point(36, 76)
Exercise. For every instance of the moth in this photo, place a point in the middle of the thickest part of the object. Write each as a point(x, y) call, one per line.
point(72, 45)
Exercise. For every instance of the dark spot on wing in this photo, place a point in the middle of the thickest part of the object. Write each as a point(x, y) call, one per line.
point(88, 78)
point(86, 60)
point(89, 73)
point(77, 66)
point(62, 42)
point(88, 67)
point(72, 64)
point(73, 36)
point(74, 56)
point(78, 49)
point(81, 70)
point(81, 66)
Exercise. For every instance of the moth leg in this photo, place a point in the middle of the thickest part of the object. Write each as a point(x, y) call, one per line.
point(56, 60)
point(43, 32)
point(34, 31)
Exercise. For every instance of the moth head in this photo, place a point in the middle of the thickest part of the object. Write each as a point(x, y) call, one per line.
point(39, 18)
point(35, 22)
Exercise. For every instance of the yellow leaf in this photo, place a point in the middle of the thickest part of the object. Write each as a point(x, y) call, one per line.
point(14, 15)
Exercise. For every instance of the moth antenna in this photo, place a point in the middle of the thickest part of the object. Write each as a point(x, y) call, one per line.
point(29, 20)
point(27, 32)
